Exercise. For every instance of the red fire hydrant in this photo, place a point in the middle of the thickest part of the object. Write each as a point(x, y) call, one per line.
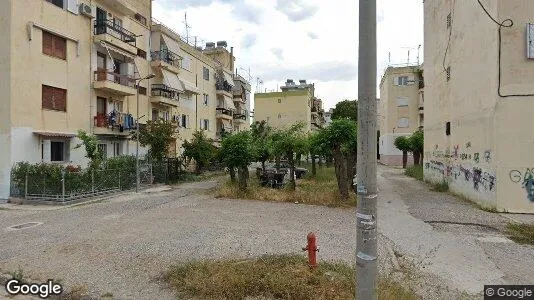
point(312, 249)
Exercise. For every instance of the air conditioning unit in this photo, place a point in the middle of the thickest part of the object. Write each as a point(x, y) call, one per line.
point(86, 10)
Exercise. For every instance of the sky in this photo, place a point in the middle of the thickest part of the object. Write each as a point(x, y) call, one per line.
point(299, 39)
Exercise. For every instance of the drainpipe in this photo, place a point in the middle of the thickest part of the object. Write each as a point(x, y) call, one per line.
point(231, 58)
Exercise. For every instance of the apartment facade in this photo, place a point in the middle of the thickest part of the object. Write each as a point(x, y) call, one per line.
point(294, 103)
point(100, 66)
point(400, 110)
point(480, 105)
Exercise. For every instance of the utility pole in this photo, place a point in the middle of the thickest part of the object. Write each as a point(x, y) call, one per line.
point(366, 214)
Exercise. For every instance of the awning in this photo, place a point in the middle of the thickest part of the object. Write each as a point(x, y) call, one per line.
point(190, 87)
point(172, 80)
point(229, 79)
point(112, 48)
point(229, 103)
point(55, 134)
point(171, 44)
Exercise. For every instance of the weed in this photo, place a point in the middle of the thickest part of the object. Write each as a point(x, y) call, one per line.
point(107, 295)
point(18, 274)
point(415, 171)
point(441, 187)
point(521, 233)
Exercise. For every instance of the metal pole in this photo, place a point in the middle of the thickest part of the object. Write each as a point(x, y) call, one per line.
point(63, 185)
point(92, 181)
point(366, 214)
point(137, 143)
point(26, 186)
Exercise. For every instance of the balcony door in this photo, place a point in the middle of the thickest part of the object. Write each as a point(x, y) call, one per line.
point(101, 66)
point(101, 18)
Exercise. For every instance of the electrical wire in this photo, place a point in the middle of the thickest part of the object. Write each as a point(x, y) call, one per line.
point(450, 34)
point(507, 23)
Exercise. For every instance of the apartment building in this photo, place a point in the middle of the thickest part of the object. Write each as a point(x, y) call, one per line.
point(400, 110)
point(479, 85)
point(69, 65)
point(294, 103)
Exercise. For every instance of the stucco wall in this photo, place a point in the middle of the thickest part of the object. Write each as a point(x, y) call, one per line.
point(488, 155)
point(5, 95)
point(294, 107)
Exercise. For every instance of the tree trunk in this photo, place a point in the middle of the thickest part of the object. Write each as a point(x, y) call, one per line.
point(341, 173)
point(242, 176)
point(263, 165)
point(314, 170)
point(299, 156)
point(291, 162)
point(351, 168)
point(232, 174)
point(320, 161)
point(329, 161)
point(416, 157)
point(404, 159)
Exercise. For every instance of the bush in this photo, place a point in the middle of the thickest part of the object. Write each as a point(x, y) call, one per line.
point(415, 171)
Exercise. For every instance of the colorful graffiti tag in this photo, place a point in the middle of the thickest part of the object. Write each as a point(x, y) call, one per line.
point(526, 178)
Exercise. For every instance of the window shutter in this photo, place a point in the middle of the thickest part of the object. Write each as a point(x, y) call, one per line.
point(47, 97)
point(60, 97)
point(48, 44)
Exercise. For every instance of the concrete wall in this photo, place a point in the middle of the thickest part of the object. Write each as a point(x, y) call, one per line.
point(294, 106)
point(5, 96)
point(488, 155)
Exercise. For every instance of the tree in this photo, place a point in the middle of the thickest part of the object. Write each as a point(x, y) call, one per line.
point(92, 152)
point(417, 144)
point(403, 144)
point(237, 152)
point(346, 109)
point(200, 149)
point(260, 134)
point(340, 137)
point(289, 143)
point(158, 135)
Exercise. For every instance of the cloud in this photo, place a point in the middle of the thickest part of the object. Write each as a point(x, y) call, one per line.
point(322, 71)
point(295, 10)
point(240, 9)
point(313, 35)
point(278, 52)
point(249, 40)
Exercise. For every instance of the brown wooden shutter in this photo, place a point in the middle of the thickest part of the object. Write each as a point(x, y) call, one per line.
point(48, 94)
point(54, 98)
point(60, 99)
point(48, 43)
point(60, 47)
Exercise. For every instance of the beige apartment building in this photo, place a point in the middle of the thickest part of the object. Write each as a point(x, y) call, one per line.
point(400, 110)
point(294, 103)
point(478, 127)
point(76, 64)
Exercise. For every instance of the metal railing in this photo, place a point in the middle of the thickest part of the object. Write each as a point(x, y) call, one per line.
point(115, 30)
point(167, 56)
point(240, 114)
point(165, 91)
point(122, 79)
point(223, 86)
point(223, 111)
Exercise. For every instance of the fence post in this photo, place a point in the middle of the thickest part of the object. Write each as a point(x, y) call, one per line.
point(63, 185)
point(26, 185)
point(93, 181)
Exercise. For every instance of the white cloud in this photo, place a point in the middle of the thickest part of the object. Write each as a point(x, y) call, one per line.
point(278, 52)
point(296, 10)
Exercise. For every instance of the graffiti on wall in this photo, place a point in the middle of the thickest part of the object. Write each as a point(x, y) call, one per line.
point(526, 179)
point(479, 179)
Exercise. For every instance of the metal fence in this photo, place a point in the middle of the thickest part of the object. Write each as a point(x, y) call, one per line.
point(66, 186)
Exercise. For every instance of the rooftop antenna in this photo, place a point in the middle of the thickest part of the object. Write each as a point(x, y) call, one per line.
point(418, 49)
point(186, 28)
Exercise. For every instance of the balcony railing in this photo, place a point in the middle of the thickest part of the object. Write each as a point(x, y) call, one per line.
point(165, 91)
point(167, 56)
point(223, 86)
point(122, 79)
point(240, 115)
point(115, 30)
point(224, 111)
point(115, 119)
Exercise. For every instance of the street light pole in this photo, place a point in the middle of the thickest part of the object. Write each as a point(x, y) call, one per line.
point(366, 212)
point(137, 179)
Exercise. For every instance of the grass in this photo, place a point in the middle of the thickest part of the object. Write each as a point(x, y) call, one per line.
point(442, 187)
point(272, 277)
point(319, 190)
point(192, 177)
point(521, 233)
point(415, 171)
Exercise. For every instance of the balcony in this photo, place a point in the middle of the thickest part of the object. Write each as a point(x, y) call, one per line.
point(224, 89)
point(163, 94)
point(223, 113)
point(114, 83)
point(166, 59)
point(111, 33)
point(114, 123)
point(240, 116)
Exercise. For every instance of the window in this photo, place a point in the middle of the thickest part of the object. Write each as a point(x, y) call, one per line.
point(141, 53)
point(279, 100)
point(58, 3)
point(155, 114)
point(117, 106)
point(101, 105)
point(448, 128)
point(206, 73)
point(166, 116)
point(185, 121)
point(57, 151)
point(103, 148)
point(402, 102)
point(54, 45)
point(279, 116)
point(205, 124)
point(54, 98)
point(403, 123)
point(186, 63)
point(117, 23)
point(139, 18)
point(206, 99)
point(142, 90)
point(117, 149)
point(402, 80)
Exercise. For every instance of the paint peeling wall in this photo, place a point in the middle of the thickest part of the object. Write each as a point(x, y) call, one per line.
point(487, 156)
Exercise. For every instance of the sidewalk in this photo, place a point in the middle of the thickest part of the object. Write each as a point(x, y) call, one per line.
point(450, 238)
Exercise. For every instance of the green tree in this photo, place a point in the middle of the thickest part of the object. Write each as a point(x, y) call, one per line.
point(403, 144)
point(417, 144)
point(200, 149)
point(260, 134)
point(289, 143)
point(237, 152)
point(158, 135)
point(92, 152)
point(340, 137)
point(346, 109)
